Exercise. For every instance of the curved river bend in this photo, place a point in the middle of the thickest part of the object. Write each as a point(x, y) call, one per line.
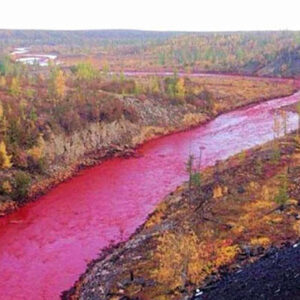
point(46, 244)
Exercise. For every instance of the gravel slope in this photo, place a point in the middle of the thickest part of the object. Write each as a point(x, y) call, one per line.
point(275, 276)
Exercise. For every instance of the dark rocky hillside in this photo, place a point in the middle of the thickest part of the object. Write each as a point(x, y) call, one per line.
point(287, 64)
point(276, 276)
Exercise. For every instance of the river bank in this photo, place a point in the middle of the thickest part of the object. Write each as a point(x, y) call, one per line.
point(67, 154)
point(190, 240)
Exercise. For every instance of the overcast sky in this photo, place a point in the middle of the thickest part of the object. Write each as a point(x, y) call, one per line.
point(186, 15)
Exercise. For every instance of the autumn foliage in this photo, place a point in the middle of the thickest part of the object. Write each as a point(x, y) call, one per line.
point(35, 106)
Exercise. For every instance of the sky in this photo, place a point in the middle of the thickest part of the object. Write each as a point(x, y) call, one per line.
point(182, 15)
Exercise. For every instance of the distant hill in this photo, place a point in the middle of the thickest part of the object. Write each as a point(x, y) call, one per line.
point(269, 53)
point(287, 63)
point(92, 37)
point(251, 53)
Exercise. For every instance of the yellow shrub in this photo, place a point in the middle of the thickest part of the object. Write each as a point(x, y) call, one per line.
point(253, 186)
point(225, 190)
point(265, 193)
point(1, 111)
point(6, 187)
point(5, 162)
point(296, 227)
point(260, 205)
point(181, 257)
point(226, 254)
point(15, 87)
point(2, 81)
point(292, 202)
point(217, 107)
point(260, 241)
point(180, 88)
point(237, 229)
point(60, 83)
point(156, 217)
point(37, 152)
point(276, 220)
point(191, 119)
point(242, 156)
point(217, 192)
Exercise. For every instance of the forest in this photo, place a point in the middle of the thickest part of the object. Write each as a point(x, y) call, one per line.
point(252, 53)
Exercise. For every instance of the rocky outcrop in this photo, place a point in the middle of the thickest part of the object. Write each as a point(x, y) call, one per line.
point(66, 154)
point(154, 119)
point(286, 64)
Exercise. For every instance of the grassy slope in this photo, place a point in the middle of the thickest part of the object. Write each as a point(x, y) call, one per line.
point(187, 243)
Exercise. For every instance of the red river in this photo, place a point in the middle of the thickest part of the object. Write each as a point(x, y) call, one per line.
point(47, 244)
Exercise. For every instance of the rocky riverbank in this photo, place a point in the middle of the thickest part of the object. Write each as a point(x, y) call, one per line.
point(244, 206)
point(66, 154)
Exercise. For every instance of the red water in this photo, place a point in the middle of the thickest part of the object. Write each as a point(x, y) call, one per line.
point(46, 245)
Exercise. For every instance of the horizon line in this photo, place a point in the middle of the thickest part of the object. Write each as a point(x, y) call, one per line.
point(152, 30)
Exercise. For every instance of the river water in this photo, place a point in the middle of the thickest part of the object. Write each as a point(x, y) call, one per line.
point(46, 244)
point(24, 56)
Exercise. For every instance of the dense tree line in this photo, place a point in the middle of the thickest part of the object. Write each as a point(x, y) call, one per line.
point(237, 52)
point(259, 53)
